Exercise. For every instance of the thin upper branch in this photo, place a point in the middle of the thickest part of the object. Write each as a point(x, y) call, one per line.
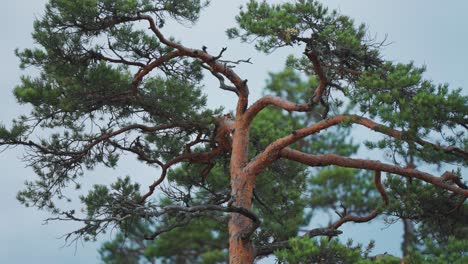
point(216, 66)
point(100, 56)
point(222, 84)
point(148, 68)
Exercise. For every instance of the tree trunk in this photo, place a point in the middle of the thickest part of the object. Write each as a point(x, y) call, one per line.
point(408, 236)
point(241, 251)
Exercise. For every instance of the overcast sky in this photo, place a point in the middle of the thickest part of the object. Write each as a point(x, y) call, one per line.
point(434, 33)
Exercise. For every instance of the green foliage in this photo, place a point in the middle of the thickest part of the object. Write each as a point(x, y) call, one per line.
point(78, 88)
point(304, 250)
point(92, 56)
point(202, 241)
point(289, 85)
point(279, 25)
point(439, 214)
point(340, 46)
point(18, 129)
point(395, 93)
point(100, 197)
point(336, 187)
point(84, 13)
point(454, 251)
point(398, 94)
point(121, 250)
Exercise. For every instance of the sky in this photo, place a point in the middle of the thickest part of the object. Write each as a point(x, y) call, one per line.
point(431, 33)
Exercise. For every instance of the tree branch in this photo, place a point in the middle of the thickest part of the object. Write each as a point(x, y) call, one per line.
point(319, 71)
point(270, 154)
point(265, 101)
point(222, 84)
point(216, 66)
point(201, 208)
point(180, 223)
point(266, 250)
point(99, 56)
point(332, 159)
point(362, 219)
point(148, 68)
point(129, 209)
point(197, 157)
point(76, 155)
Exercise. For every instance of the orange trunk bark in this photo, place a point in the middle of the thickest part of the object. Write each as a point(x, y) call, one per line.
point(241, 251)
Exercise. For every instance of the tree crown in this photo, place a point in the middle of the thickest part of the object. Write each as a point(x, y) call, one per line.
point(112, 82)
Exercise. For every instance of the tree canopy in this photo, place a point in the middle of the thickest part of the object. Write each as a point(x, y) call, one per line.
point(244, 184)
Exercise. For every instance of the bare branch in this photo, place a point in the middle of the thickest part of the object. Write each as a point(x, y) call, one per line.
point(236, 62)
point(198, 157)
point(220, 53)
point(131, 209)
point(77, 155)
point(222, 84)
point(179, 223)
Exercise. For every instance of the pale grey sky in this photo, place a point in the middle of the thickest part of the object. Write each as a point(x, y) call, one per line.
point(433, 33)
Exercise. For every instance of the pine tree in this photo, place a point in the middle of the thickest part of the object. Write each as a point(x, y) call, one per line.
point(238, 182)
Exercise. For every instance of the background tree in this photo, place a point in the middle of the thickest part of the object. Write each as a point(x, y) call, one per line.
point(108, 88)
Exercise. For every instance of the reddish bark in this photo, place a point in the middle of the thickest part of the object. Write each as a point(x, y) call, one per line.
point(272, 151)
point(319, 71)
point(265, 101)
point(241, 249)
point(332, 159)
